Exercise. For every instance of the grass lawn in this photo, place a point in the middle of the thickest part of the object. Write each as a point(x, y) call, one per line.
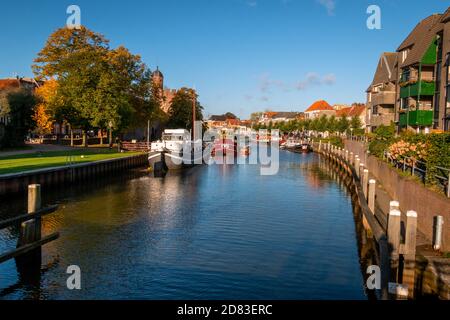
point(34, 161)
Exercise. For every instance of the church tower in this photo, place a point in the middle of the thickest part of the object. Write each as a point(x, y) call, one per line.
point(158, 78)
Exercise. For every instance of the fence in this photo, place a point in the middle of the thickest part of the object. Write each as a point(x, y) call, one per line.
point(419, 169)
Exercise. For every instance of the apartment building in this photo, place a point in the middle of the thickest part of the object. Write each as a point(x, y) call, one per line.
point(418, 75)
point(381, 94)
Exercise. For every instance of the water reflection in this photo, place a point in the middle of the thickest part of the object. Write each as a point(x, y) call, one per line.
point(213, 232)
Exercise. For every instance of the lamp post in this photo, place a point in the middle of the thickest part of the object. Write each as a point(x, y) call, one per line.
point(110, 125)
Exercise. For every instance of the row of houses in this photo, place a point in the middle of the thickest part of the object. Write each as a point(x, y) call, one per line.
point(316, 110)
point(411, 86)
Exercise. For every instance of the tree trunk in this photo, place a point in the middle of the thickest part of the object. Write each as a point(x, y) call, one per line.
point(71, 136)
point(85, 140)
point(101, 138)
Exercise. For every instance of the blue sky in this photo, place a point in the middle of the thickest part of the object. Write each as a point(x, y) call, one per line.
point(241, 55)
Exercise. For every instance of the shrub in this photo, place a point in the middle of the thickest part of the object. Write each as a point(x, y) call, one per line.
point(413, 151)
point(381, 140)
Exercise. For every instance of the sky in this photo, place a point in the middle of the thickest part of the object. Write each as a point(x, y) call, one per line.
point(242, 56)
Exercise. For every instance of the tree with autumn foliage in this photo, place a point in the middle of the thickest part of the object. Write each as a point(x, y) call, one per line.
point(43, 115)
point(98, 87)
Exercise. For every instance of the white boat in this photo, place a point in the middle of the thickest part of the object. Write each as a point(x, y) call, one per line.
point(292, 144)
point(176, 150)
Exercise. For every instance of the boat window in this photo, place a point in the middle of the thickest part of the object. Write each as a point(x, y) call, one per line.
point(173, 138)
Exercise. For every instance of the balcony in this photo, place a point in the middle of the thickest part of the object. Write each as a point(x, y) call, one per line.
point(383, 98)
point(377, 120)
point(424, 88)
point(416, 118)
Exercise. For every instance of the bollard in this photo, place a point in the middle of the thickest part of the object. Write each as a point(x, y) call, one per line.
point(411, 231)
point(371, 196)
point(366, 181)
point(438, 222)
point(361, 170)
point(409, 254)
point(394, 232)
point(357, 162)
point(346, 155)
point(352, 159)
point(394, 205)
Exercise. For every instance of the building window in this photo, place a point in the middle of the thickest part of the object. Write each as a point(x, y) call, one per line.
point(405, 75)
point(404, 55)
point(375, 110)
point(404, 103)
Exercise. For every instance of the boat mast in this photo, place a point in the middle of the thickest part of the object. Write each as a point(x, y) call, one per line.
point(194, 102)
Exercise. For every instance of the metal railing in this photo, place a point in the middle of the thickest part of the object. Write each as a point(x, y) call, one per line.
point(418, 169)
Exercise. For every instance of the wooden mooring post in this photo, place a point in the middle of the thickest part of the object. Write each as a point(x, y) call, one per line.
point(365, 180)
point(28, 252)
point(402, 255)
point(30, 231)
point(357, 163)
point(371, 195)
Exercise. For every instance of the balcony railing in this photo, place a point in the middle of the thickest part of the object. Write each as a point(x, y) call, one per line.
point(383, 98)
point(414, 89)
point(416, 118)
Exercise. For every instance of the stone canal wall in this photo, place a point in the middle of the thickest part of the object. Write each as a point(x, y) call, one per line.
point(410, 194)
point(18, 182)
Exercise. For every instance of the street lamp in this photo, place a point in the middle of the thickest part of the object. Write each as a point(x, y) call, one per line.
point(351, 134)
point(110, 125)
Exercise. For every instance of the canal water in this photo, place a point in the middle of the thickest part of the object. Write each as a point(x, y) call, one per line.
point(212, 232)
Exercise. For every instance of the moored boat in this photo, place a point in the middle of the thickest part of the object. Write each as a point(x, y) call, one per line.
point(176, 150)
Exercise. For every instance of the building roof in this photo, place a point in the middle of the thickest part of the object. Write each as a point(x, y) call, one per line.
point(233, 122)
point(9, 84)
point(320, 105)
point(355, 110)
point(386, 71)
point(420, 39)
point(287, 115)
point(218, 118)
point(157, 73)
point(15, 83)
point(446, 16)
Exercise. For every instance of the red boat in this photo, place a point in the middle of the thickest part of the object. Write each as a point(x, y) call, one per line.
point(224, 147)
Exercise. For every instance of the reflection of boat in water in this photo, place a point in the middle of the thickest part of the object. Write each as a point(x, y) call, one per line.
point(306, 148)
point(224, 146)
point(298, 147)
point(176, 150)
point(244, 151)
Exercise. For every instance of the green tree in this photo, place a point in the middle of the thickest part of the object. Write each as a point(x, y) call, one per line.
point(180, 112)
point(343, 124)
point(21, 105)
point(332, 125)
point(322, 124)
point(355, 123)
